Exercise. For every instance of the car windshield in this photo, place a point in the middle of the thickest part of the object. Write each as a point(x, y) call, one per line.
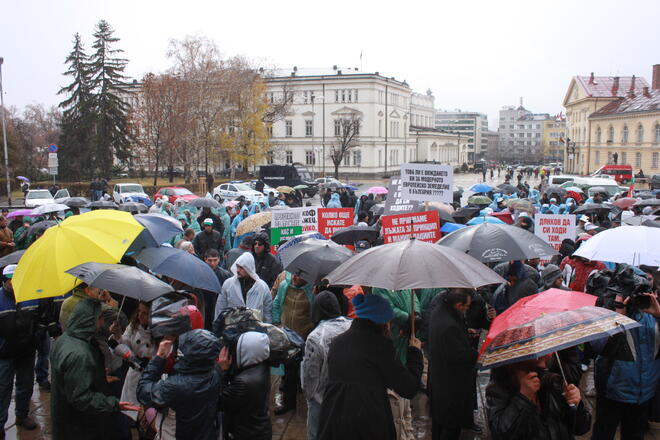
point(242, 187)
point(132, 189)
point(181, 192)
point(40, 194)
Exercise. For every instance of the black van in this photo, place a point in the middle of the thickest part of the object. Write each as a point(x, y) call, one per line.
point(288, 175)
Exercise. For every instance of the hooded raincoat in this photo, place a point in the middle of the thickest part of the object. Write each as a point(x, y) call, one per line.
point(243, 214)
point(334, 201)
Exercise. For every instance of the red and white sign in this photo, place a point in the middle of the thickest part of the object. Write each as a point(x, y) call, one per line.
point(423, 226)
point(332, 219)
point(554, 228)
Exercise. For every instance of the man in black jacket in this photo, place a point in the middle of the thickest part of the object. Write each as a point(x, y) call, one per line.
point(268, 268)
point(217, 221)
point(452, 359)
point(208, 239)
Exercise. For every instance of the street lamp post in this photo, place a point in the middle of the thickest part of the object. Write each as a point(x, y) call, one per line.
point(4, 135)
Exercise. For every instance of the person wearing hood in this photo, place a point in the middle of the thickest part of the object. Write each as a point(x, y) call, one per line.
point(359, 207)
point(82, 404)
point(243, 214)
point(156, 207)
point(519, 285)
point(553, 208)
point(246, 389)
point(362, 365)
point(328, 323)
point(334, 201)
point(208, 239)
point(268, 267)
point(245, 246)
point(191, 389)
point(245, 289)
point(226, 223)
point(21, 237)
point(217, 223)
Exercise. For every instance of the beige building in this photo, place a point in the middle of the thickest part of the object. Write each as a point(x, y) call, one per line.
point(608, 115)
point(554, 130)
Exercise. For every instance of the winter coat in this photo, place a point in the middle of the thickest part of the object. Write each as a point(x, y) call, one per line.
point(268, 267)
point(334, 201)
point(300, 324)
point(191, 389)
point(69, 305)
point(400, 302)
point(82, 404)
point(19, 325)
point(243, 214)
point(362, 366)
point(514, 417)
point(246, 391)
point(505, 295)
point(205, 241)
point(258, 297)
point(576, 272)
point(452, 360)
point(217, 223)
point(6, 237)
point(139, 340)
point(623, 376)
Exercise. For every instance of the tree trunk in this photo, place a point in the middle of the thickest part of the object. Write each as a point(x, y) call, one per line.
point(336, 170)
point(156, 167)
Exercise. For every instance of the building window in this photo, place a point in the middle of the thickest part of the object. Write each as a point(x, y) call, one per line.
point(343, 95)
point(609, 157)
point(597, 157)
point(598, 135)
point(269, 130)
point(624, 136)
point(657, 132)
point(638, 160)
point(337, 127)
point(624, 158)
point(336, 95)
point(380, 127)
point(288, 125)
point(289, 157)
point(309, 157)
point(355, 95)
point(610, 135)
point(309, 130)
point(305, 98)
point(640, 134)
point(380, 158)
point(654, 161)
point(347, 159)
point(357, 158)
point(270, 158)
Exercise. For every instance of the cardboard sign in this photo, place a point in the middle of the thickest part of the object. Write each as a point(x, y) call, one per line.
point(424, 226)
point(554, 228)
point(395, 204)
point(331, 219)
point(427, 182)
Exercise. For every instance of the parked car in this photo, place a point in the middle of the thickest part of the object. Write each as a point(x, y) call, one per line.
point(175, 193)
point(560, 179)
point(233, 190)
point(267, 188)
point(324, 180)
point(61, 195)
point(130, 192)
point(622, 173)
point(38, 197)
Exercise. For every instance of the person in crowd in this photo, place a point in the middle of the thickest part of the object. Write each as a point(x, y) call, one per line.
point(362, 366)
point(242, 215)
point(191, 389)
point(188, 235)
point(246, 389)
point(246, 245)
point(7, 245)
point(245, 289)
point(156, 208)
point(188, 247)
point(217, 223)
point(268, 267)
point(292, 309)
point(208, 239)
point(78, 294)
point(334, 201)
point(359, 207)
point(363, 219)
point(21, 237)
point(212, 258)
point(552, 278)
point(576, 271)
point(518, 285)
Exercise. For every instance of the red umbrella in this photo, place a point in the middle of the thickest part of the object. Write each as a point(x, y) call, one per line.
point(625, 202)
point(533, 306)
point(505, 216)
point(575, 195)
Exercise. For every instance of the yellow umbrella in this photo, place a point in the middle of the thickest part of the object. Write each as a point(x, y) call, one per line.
point(285, 189)
point(100, 236)
point(253, 222)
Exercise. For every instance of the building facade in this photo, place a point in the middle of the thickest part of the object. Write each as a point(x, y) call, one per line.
point(554, 131)
point(521, 135)
point(613, 117)
point(470, 125)
point(492, 154)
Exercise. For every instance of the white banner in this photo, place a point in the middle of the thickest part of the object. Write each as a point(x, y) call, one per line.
point(554, 228)
point(427, 182)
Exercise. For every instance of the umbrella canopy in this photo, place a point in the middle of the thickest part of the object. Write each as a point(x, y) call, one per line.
point(451, 227)
point(648, 202)
point(23, 178)
point(505, 216)
point(598, 190)
point(376, 190)
point(40, 227)
point(12, 258)
point(633, 245)
point(49, 208)
point(479, 200)
point(446, 207)
point(575, 189)
point(161, 227)
point(525, 205)
point(505, 187)
point(555, 190)
point(284, 250)
point(300, 187)
point(598, 208)
point(642, 220)
point(134, 207)
point(334, 185)
point(20, 213)
point(625, 202)
point(645, 195)
point(377, 209)
point(101, 236)
point(254, 222)
point(181, 266)
point(354, 233)
point(124, 280)
point(76, 202)
point(552, 332)
point(413, 264)
point(313, 259)
point(466, 212)
point(351, 187)
point(285, 189)
point(103, 204)
point(485, 219)
point(492, 243)
point(204, 202)
point(480, 188)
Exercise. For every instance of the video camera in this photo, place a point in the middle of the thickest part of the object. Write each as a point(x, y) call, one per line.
point(624, 282)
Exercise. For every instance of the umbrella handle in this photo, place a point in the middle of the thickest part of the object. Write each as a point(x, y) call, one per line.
point(561, 369)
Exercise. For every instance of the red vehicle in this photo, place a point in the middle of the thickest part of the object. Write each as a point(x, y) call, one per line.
point(174, 193)
point(621, 173)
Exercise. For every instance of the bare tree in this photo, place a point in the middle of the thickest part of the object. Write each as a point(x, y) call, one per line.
point(347, 134)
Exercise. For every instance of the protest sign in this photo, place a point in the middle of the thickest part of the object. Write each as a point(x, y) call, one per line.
point(309, 219)
point(286, 223)
point(424, 226)
point(427, 182)
point(554, 228)
point(331, 219)
point(395, 204)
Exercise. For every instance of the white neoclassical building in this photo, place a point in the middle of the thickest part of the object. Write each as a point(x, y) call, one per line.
point(396, 123)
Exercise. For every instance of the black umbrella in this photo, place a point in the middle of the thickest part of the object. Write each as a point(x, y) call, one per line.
point(103, 204)
point(556, 190)
point(133, 207)
point(124, 280)
point(645, 195)
point(598, 190)
point(204, 202)
point(647, 202)
point(489, 242)
point(377, 209)
point(333, 185)
point(12, 258)
point(181, 266)
point(354, 233)
point(597, 208)
point(76, 202)
point(40, 227)
point(505, 187)
point(642, 221)
point(465, 213)
point(313, 259)
point(161, 227)
point(443, 214)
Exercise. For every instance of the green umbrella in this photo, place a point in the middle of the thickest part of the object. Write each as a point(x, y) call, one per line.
point(300, 187)
point(480, 200)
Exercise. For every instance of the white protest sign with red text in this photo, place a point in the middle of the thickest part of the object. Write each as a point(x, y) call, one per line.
point(423, 226)
point(554, 228)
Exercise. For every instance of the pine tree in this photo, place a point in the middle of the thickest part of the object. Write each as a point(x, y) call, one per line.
point(112, 138)
point(77, 117)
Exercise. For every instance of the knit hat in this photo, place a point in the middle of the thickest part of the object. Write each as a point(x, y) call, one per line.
point(373, 307)
point(550, 273)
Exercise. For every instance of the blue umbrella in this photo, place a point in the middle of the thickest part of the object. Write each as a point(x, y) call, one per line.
point(24, 179)
point(480, 188)
point(181, 266)
point(161, 227)
point(451, 227)
point(485, 219)
point(351, 187)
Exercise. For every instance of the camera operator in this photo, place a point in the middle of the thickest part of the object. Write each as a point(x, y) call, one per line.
point(626, 367)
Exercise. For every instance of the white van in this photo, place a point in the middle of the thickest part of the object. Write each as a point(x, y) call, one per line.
point(609, 185)
point(559, 180)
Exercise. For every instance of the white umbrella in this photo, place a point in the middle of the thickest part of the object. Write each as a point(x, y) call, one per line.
point(49, 208)
point(633, 245)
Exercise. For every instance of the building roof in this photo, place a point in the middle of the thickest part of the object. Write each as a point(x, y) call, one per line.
point(601, 86)
point(334, 71)
point(639, 103)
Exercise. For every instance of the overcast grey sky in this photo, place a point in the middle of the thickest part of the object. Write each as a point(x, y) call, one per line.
point(474, 55)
